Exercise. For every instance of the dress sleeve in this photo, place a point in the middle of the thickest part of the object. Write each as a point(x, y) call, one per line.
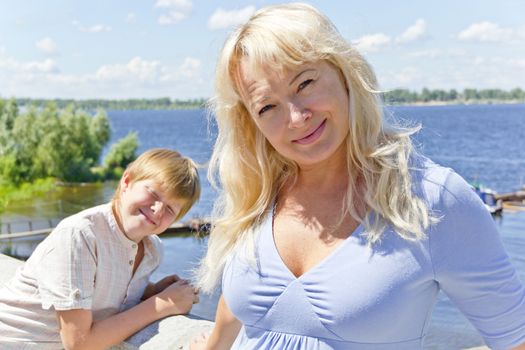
point(66, 272)
point(473, 269)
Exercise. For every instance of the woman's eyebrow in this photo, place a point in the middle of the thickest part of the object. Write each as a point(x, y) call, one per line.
point(300, 73)
point(259, 100)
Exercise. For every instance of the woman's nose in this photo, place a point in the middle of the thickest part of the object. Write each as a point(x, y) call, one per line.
point(298, 115)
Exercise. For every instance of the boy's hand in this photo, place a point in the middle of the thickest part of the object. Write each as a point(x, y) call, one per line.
point(165, 282)
point(176, 299)
point(156, 288)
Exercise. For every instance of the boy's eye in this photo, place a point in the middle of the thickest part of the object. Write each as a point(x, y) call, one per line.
point(151, 191)
point(265, 108)
point(304, 84)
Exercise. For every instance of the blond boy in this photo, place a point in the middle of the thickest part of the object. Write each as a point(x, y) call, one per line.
point(86, 286)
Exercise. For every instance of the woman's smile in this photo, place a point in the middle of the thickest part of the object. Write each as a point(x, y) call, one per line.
point(313, 136)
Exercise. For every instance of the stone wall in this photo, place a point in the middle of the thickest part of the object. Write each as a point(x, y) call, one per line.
point(172, 332)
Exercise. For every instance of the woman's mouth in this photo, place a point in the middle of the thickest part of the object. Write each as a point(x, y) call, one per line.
point(313, 136)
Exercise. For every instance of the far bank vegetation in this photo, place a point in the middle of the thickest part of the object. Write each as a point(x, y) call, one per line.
point(64, 144)
point(467, 96)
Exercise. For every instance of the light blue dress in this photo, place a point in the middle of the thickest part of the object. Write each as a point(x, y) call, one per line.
point(381, 297)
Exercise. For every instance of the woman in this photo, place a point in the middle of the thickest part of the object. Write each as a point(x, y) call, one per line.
point(332, 233)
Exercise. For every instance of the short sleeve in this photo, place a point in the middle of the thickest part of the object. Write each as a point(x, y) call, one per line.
point(473, 269)
point(66, 272)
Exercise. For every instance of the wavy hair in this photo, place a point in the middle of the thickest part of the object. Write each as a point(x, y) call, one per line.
point(249, 173)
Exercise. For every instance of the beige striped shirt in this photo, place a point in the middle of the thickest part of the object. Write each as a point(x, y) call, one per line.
point(85, 263)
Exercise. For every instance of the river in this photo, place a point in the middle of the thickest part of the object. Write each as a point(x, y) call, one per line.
point(483, 143)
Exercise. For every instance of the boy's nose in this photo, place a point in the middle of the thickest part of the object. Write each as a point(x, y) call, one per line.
point(158, 208)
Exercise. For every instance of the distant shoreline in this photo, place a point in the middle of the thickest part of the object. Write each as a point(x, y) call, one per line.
point(454, 103)
point(166, 104)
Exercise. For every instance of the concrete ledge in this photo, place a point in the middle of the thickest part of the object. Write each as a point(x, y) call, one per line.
point(173, 332)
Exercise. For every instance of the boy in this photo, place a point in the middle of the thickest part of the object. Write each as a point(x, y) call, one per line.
point(82, 287)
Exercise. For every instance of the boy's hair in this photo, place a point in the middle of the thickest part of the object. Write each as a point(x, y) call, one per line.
point(177, 175)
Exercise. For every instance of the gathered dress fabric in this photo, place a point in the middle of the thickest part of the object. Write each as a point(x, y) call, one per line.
point(381, 296)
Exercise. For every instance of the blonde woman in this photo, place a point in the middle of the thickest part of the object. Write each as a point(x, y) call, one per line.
point(332, 233)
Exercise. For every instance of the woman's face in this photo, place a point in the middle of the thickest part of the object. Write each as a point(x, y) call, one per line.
point(303, 112)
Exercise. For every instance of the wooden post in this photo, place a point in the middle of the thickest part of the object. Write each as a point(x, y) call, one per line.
point(30, 226)
point(8, 227)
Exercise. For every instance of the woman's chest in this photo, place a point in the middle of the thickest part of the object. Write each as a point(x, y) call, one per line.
point(354, 289)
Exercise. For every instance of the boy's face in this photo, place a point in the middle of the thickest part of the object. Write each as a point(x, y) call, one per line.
point(145, 208)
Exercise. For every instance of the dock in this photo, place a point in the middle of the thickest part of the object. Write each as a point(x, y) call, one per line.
point(200, 227)
point(518, 196)
point(512, 201)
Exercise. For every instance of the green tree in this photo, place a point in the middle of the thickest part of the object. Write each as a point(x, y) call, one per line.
point(517, 94)
point(63, 144)
point(470, 94)
point(8, 114)
point(123, 152)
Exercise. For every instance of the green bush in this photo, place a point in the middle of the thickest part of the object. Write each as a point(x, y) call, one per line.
point(123, 152)
point(63, 144)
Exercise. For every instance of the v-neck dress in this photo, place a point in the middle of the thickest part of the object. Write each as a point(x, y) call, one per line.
point(381, 296)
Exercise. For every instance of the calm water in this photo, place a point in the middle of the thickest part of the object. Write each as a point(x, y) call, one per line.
point(482, 143)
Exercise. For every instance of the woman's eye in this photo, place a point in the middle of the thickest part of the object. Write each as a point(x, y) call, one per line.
point(265, 108)
point(304, 84)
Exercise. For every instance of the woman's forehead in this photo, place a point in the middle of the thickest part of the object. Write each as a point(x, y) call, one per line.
point(253, 73)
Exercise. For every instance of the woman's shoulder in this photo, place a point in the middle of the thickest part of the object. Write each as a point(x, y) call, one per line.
point(437, 185)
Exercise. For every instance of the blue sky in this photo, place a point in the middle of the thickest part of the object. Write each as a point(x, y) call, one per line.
point(157, 48)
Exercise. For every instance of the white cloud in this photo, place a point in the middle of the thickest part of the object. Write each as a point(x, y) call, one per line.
point(97, 28)
point(190, 67)
point(47, 66)
point(183, 5)
point(221, 18)
point(47, 46)
point(517, 63)
point(437, 53)
point(489, 32)
point(139, 77)
point(372, 42)
point(177, 10)
point(407, 76)
point(413, 33)
point(172, 17)
point(136, 69)
point(131, 17)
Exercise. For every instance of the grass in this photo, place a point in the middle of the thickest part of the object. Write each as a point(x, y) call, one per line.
point(10, 192)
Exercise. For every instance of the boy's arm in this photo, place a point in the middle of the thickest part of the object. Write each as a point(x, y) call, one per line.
point(155, 288)
point(78, 331)
point(224, 333)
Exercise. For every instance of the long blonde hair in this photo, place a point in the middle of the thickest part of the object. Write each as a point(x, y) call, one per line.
point(247, 170)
